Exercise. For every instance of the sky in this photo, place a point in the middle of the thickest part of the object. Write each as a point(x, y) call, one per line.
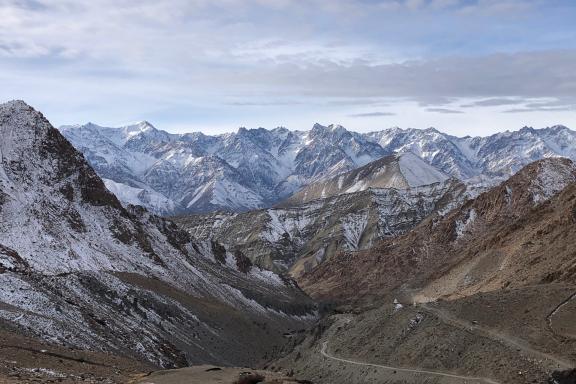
point(466, 67)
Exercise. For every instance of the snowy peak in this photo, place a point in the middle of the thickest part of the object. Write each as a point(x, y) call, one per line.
point(416, 172)
point(21, 124)
point(36, 161)
point(79, 269)
point(271, 165)
point(399, 171)
point(249, 169)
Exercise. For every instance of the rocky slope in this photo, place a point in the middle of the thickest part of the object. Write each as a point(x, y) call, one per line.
point(206, 374)
point(485, 293)
point(515, 234)
point(296, 238)
point(79, 270)
point(499, 337)
point(257, 168)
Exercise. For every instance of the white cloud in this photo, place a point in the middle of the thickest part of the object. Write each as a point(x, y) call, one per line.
point(122, 59)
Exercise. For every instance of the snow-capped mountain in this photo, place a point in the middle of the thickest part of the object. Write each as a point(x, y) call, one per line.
point(501, 154)
point(255, 168)
point(398, 171)
point(198, 173)
point(80, 270)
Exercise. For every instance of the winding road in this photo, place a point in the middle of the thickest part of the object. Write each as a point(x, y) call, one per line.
point(324, 353)
point(492, 334)
point(556, 310)
point(512, 342)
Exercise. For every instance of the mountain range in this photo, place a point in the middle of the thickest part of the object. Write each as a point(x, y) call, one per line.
point(510, 235)
point(377, 262)
point(297, 237)
point(257, 168)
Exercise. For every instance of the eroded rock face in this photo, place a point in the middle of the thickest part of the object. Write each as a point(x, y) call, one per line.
point(89, 273)
point(296, 238)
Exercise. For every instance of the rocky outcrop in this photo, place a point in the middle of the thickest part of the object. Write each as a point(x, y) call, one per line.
point(296, 238)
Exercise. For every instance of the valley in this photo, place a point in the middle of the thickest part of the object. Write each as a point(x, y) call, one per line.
point(287, 192)
point(362, 260)
point(488, 338)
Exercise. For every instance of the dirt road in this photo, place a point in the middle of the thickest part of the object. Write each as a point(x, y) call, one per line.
point(492, 334)
point(467, 379)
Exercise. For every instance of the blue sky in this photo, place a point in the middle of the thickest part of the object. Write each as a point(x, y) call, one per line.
point(467, 67)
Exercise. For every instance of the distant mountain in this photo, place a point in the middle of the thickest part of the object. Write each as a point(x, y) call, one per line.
point(501, 154)
point(79, 270)
point(403, 171)
point(249, 169)
point(257, 168)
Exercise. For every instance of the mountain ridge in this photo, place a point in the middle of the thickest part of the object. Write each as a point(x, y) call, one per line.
point(397, 171)
point(267, 166)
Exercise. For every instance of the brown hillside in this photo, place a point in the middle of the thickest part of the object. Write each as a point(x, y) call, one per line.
point(520, 233)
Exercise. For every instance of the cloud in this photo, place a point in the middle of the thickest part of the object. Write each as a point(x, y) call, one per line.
point(501, 76)
point(263, 103)
point(542, 109)
point(496, 7)
point(121, 57)
point(493, 102)
point(440, 4)
point(444, 110)
point(550, 105)
point(528, 110)
point(373, 114)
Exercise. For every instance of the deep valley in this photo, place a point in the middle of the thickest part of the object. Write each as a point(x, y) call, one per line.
point(379, 263)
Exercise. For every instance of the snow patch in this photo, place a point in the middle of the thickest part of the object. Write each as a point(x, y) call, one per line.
point(417, 172)
point(462, 227)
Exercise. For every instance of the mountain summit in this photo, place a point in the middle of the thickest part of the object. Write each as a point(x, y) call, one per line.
point(399, 171)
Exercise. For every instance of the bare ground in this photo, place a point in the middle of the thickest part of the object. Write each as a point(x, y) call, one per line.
point(27, 360)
